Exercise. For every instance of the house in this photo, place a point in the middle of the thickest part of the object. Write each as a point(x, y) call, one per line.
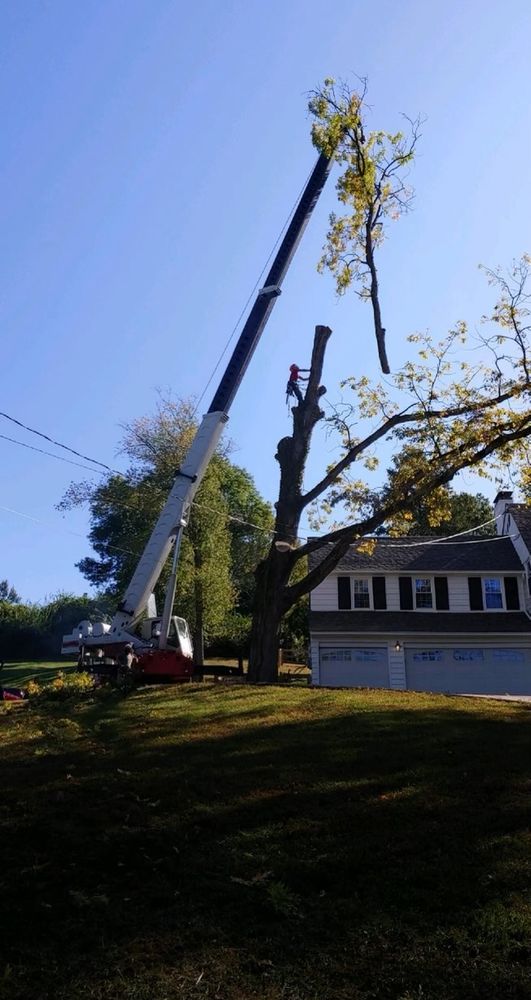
point(514, 520)
point(426, 614)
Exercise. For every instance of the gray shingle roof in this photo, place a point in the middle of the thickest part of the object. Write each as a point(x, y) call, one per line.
point(396, 555)
point(482, 622)
point(521, 514)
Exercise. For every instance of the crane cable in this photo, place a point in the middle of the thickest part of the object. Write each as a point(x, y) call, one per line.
point(253, 290)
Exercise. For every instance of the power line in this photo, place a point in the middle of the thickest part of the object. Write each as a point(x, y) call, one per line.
point(50, 454)
point(458, 534)
point(232, 517)
point(52, 524)
point(58, 444)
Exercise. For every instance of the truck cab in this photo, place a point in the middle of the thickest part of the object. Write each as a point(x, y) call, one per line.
point(97, 647)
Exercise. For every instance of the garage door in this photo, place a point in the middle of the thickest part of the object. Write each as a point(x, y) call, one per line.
point(469, 670)
point(353, 666)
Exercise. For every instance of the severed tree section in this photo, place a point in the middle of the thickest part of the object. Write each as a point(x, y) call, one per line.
point(464, 402)
point(372, 189)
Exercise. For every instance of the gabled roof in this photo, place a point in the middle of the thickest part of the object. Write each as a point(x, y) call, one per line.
point(413, 554)
point(521, 515)
point(427, 622)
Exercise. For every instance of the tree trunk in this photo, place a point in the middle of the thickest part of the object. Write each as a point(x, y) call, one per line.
point(267, 619)
point(273, 575)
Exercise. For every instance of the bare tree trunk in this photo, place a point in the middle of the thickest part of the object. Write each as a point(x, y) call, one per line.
point(272, 576)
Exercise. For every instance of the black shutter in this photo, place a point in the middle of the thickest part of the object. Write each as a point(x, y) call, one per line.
point(512, 601)
point(441, 593)
point(379, 598)
point(475, 593)
point(406, 593)
point(344, 602)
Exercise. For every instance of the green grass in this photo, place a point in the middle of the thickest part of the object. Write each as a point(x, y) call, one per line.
point(18, 674)
point(230, 842)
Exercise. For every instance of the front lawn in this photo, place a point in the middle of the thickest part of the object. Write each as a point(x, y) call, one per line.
point(230, 842)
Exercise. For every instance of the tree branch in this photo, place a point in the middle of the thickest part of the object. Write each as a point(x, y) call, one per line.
point(395, 421)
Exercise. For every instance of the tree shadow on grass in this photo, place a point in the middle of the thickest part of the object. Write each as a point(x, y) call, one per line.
point(378, 847)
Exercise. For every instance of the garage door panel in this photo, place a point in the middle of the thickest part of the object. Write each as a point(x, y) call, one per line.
point(469, 670)
point(351, 666)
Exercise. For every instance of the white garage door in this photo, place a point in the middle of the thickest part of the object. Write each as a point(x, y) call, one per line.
point(352, 666)
point(469, 670)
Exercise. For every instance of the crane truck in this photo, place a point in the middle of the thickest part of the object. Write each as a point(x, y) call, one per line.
point(162, 644)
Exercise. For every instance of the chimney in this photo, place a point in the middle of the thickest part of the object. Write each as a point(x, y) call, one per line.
point(501, 501)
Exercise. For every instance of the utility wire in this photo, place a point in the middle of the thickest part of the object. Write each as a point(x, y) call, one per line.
point(458, 534)
point(52, 524)
point(232, 517)
point(50, 454)
point(58, 444)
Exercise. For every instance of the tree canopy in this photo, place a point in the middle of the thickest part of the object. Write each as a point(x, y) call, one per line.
point(226, 536)
point(461, 401)
point(8, 593)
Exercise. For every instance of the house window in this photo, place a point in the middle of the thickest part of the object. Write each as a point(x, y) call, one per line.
point(361, 594)
point(336, 655)
point(493, 592)
point(423, 594)
point(369, 655)
point(509, 655)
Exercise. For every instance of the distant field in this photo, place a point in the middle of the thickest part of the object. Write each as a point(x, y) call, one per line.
point(20, 673)
point(231, 842)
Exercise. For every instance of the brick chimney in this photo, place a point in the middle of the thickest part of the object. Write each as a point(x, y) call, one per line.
point(501, 502)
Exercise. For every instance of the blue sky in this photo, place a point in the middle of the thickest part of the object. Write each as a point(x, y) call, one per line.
point(150, 153)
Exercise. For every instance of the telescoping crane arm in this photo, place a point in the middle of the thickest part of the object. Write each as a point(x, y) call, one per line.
point(175, 511)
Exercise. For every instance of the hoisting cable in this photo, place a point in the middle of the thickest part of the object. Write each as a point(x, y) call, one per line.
point(251, 294)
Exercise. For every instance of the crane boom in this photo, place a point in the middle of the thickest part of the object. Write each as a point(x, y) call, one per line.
point(189, 476)
point(173, 516)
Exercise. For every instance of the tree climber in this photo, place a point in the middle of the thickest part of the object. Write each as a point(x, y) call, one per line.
point(292, 388)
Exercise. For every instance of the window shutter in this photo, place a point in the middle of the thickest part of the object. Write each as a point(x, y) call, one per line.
point(406, 593)
point(379, 598)
point(441, 593)
point(475, 593)
point(344, 601)
point(512, 601)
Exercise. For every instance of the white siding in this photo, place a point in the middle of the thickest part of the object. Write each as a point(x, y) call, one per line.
point(458, 596)
point(524, 555)
point(324, 597)
point(393, 593)
point(314, 660)
point(397, 668)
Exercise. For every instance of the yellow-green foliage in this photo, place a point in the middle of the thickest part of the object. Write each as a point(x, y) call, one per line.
point(372, 186)
point(62, 686)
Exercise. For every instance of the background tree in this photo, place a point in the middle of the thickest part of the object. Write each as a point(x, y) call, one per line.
point(8, 593)
point(219, 551)
point(442, 414)
point(443, 512)
point(464, 511)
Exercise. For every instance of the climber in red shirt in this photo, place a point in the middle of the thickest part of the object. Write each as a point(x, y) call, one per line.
point(292, 388)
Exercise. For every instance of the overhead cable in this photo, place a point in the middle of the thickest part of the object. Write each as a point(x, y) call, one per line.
point(58, 444)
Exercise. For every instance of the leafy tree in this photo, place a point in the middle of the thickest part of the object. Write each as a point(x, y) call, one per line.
point(8, 593)
point(455, 512)
point(372, 188)
point(218, 554)
point(442, 413)
point(443, 512)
